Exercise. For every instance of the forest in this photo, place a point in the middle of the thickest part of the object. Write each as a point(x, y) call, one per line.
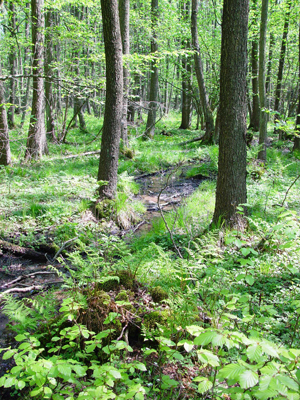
point(150, 215)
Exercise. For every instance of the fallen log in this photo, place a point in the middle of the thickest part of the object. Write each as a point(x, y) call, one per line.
point(21, 290)
point(22, 251)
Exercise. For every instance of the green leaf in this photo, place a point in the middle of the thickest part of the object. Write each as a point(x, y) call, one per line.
point(254, 352)
point(47, 392)
point(245, 251)
point(188, 347)
point(21, 385)
point(8, 354)
point(80, 370)
point(204, 384)
point(19, 338)
point(269, 349)
point(205, 338)
point(116, 374)
point(194, 330)
point(207, 357)
point(65, 370)
point(250, 280)
point(232, 371)
point(285, 380)
point(248, 379)
point(140, 366)
point(36, 392)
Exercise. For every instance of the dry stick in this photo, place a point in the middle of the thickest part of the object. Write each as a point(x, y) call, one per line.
point(290, 187)
point(28, 289)
point(63, 138)
point(65, 244)
point(21, 278)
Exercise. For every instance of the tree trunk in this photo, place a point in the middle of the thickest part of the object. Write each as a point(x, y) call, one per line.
point(297, 138)
point(124, 8)
point(231, 182)
point(263, 123)
point(5, 156)
point(150, 127)
point(108, 164)
point(209, 121)
point(12, 66)
point(281, 64)
point(254, 121)
point(186, 74)
point(36, 142)
point(50, 107)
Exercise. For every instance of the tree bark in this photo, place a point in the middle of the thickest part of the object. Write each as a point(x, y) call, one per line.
point(208, 116)
point(231, 182)
point(297, 136)
point(263, 124)
point(186, 74)
point(36, 142)
point(49, 98)
point(108, 164)
point(281, 63)
point(150, 127)
point(124, 8)
point(12, 66)
point(254, 120)
point(5, 156)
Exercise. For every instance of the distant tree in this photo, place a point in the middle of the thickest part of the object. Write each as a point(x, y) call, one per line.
point(108, 164)
point(12, 64)
point(186, 73)
point(281, 64)
point(263, 119)
point(208, 116)
point(124, 11)
point(297, 138)
point(36, 142)
point(231, 182)
point(49, 58)
point(150, 127)
point(5, 156)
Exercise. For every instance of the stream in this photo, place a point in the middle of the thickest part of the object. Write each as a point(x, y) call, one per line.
point(170, 186)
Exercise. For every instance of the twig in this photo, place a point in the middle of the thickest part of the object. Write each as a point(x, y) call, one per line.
point(121, 335)
point(23, 277)
point(290, 187)
point(64, 246)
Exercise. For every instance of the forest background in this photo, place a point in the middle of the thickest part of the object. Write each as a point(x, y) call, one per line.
point(185, 308)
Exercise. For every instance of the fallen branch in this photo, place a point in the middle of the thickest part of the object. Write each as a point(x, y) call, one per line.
point(290, 187)
point(198, 139)
point(22, 251)
point(23, 277)
point(21, 290)
point(65, 244)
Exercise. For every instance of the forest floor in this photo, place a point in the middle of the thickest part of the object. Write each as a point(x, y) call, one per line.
point(216, 280)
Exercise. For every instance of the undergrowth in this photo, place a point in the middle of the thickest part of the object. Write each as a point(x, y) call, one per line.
point(133, 320)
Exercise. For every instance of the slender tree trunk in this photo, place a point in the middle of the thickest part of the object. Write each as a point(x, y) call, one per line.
point(108, 164)
point(297, 138)
point(186, 74)
point(49, 98)
point(281, 64)
point(36, 142)
point(263, 124)
point(254, 121)
point(269, 70)
point(209, 121)
point(5, 156)
point(124, 8)
point(150, 127)
point(26, 66)
point(12, 66)
point(231, 182)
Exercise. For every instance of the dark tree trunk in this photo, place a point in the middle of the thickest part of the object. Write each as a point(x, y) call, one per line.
point(186, 75)
point(124, 8)
point(49, 98)
point(281, 64)
point(12, 66)
point(5, 156)
point(231, 182)
point(108, 164)
point(254, 121)
point(150, 127)
point(297, 137)
point(36, 142)
point(269, 69)
point(263, 119)
point(26, 66)
point(208, 116)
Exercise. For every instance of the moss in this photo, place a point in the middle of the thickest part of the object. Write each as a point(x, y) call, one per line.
point(122, 296)
point(103, 297)
point(156, 317)
point(158, 294)
point(126, 279)
point(103, 209)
